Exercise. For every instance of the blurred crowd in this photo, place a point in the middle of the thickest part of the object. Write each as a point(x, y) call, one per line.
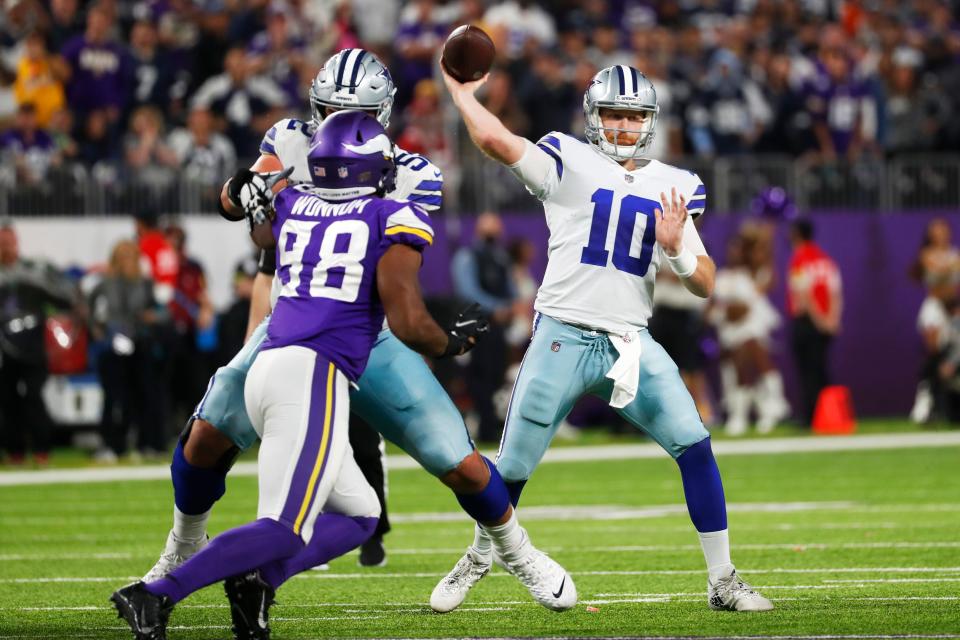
point(131, 92)
point(141, 322)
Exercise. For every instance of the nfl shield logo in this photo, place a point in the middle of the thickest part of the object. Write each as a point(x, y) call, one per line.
point(555, 346)
point(342, 172)
point(628, 178)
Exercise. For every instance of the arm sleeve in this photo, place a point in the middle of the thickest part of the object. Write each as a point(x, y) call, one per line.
point(466, 283)
point(539, 169)
point(267, 264)
point(697, 200)
point(419, 181)
point(409, 225)
point(269, 143)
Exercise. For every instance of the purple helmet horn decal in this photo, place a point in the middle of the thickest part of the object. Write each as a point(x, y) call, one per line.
point(351, 156)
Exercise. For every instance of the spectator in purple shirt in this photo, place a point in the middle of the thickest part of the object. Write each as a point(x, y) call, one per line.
point(417, 44)
point(29, 148)
point(843, 110)
point(100, 69)
point(279, 54)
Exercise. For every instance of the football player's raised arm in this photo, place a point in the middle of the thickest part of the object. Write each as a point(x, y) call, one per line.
point(399, 287)
point(487, 132)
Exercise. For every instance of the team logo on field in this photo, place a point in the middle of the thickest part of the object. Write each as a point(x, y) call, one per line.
point(555, 346)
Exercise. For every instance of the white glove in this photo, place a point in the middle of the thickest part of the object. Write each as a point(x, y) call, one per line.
point(253, 192)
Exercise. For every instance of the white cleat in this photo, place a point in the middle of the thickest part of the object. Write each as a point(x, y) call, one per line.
point(174, 554)
point(452, 590)
point(733, 594)
point(548, 582)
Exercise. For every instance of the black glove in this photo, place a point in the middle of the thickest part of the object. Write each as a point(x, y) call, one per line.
point(472, 322)
point(240, 178)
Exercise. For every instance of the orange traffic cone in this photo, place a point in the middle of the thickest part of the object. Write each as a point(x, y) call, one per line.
point(834, 412)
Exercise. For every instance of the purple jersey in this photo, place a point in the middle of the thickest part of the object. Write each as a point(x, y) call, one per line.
point(839, 105)
point(327, 255)
point(100, 74)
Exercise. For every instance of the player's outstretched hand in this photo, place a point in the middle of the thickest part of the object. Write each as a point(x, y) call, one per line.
point(253, 192)
point(459, 89)
point(470, 325)
point(670, 221)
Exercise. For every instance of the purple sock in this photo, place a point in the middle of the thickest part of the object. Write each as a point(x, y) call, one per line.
point(231, 553)
point(334, 534)
point(703, 488)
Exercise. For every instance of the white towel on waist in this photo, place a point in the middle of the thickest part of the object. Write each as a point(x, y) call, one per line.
point(625, 372)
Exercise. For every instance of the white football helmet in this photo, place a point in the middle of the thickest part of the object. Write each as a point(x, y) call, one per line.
point(353, 79)
point(620, 87)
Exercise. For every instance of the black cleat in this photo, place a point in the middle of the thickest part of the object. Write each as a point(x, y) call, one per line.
point(146, 613)
point(250, 599)
point(372, 553)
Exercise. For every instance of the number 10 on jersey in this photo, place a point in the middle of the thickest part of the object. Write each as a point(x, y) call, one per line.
point(631, 206)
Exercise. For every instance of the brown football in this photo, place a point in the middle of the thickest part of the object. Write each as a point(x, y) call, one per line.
point(467, 53)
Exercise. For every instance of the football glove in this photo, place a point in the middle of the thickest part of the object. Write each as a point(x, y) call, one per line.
point(253, 193)
point(472, 322)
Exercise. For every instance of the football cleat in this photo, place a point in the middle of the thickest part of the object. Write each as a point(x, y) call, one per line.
point(548, 582)
point(733, 594)
point(372, 553)
point(174, 554)
point(250, 600)
point(452, 590)
point(146, 613)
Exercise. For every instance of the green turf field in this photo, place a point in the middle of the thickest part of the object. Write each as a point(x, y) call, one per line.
point(845, 543)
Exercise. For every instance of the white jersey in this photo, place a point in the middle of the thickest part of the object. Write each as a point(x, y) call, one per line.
point(602, 255)
point(418, 179)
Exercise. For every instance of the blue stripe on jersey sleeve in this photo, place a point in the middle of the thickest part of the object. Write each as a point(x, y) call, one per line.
point(701, 191)
point(556, 158)
point(426, 200)
point(430, 185)
point(267, 147)
point(552, 141)
point(696, 202)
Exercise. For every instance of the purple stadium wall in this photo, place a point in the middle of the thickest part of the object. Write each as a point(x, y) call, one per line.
point(877, 355)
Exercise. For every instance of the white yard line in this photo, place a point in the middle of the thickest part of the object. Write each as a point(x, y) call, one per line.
point(650, 548)
point(325, 575)
point(559, 454)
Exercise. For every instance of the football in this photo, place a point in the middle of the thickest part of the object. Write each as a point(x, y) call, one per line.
point(467, 53)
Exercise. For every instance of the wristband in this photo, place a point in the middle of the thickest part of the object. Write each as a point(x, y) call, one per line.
point(683, 264)
point(455, 345)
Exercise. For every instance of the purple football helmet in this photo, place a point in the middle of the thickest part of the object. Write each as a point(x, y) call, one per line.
point(351, 156)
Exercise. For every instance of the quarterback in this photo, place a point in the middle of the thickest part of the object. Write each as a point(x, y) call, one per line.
point(615, 219)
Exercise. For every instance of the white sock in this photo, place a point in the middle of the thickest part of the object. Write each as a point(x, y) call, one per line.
point(189, 528)
point(481, 542)
point(716, 551)
point(509, 538)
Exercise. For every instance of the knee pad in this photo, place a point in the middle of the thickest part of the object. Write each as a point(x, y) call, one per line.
point(513, 470)
point(224, 407)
